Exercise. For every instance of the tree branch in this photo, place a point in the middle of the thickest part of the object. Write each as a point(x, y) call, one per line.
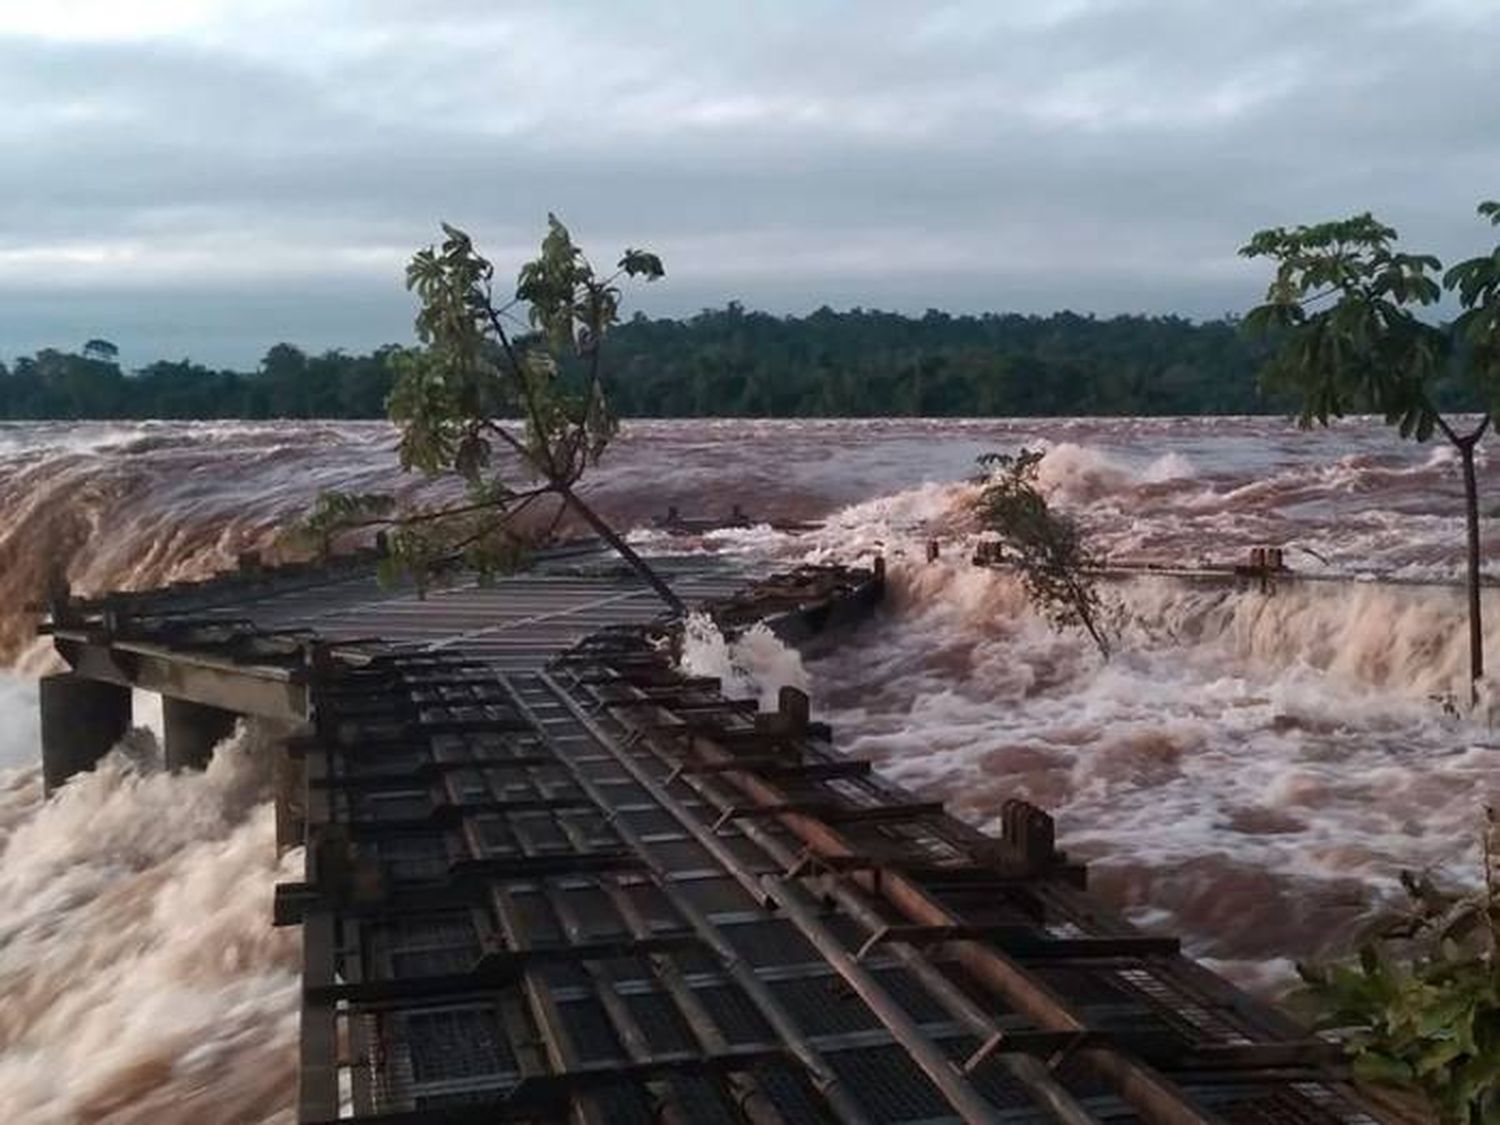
point(1484, 424)
point(524, 385)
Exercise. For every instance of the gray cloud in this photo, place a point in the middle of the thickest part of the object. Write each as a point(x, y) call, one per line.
point(209, 180)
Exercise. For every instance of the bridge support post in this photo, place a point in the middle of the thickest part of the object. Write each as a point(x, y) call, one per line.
point(191, 731)
point(82, 719)
point(289, 779)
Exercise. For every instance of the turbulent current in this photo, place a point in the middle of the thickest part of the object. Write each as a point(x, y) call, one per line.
point(1249, 771)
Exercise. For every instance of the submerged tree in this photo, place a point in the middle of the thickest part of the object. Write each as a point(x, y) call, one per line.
point(1046, 547)
point(495, 410)
point(1341, 311)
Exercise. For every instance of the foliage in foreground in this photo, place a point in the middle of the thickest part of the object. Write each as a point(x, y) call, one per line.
point(497, 413)
point(1419, 1008)
point(1046, 547)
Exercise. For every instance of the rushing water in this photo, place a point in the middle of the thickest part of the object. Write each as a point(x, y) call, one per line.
point(1250, 772)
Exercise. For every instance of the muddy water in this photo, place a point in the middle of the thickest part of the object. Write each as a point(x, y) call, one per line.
point(1249, 772)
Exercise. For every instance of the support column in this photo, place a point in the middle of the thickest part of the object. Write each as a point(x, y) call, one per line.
point(289, 779)
point(82, 720)
point(191, 731)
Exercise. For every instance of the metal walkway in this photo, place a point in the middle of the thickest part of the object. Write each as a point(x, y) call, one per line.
point(550, 877)
point(603, 892)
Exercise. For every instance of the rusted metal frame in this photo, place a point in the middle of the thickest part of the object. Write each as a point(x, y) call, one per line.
point(445, 815)
point(928, 1056)
point(778, 767)
point(829, 810)
point(822, 1077)
point(624, 1025)
point(950, 1081)
point(1025, 941)
point(1239, 1059)
point(747, 1094)
point(493, 970)
point(996, 1042)
point(689, 713)
point(447, 810)
point(541, 864)
point(1031, 1073)
point(562, 1053)
point(1255, 1014)
point(1152, 1093)
point(1155, 1095)
point(526, 1044)
point(627, 1032)
point(430, 769)
point(545, 1096)
point(672, 698)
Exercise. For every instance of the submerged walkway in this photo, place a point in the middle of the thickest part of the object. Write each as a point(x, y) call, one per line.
point(550, 877)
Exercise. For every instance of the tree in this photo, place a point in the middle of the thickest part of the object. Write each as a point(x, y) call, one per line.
point(284, 371)
point(477, 404)
point(101, 351)
point(1341, 311)
point(1046, 548)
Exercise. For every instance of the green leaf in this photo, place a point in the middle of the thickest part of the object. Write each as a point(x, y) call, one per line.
point(642, 263)
point(1375, 1067)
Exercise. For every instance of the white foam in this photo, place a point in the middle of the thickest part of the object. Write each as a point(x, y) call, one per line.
point(142, 978)
point(755, 665)
point(1276, 753)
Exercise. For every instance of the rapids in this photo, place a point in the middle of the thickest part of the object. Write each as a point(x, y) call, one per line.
point(1248, 772)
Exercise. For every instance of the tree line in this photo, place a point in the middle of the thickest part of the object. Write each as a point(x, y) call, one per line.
point(737, 363)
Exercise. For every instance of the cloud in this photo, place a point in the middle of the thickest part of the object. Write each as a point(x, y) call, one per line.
point(209, 178)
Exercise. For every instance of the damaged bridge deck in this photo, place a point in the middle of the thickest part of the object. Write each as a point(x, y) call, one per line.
point(552, 877)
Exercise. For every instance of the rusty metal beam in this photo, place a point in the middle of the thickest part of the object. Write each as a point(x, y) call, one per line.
point(823, 1077)
point(1153, 1093)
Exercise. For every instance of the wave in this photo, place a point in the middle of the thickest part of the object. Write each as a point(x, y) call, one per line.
point(1250, 771)
point(143, 981)
point(754, 665)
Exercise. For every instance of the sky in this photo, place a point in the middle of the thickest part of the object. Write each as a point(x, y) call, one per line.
point(205, 179)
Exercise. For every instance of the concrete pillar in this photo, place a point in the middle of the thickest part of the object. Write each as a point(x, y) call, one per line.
point(191, 731)
point(289, 779)
point(82, 720)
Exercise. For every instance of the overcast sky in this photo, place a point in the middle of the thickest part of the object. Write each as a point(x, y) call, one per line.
point(205, 179)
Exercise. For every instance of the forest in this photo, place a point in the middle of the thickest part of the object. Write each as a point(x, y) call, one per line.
point(731, 362)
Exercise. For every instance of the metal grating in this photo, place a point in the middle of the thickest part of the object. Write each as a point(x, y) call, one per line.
point(549, 883)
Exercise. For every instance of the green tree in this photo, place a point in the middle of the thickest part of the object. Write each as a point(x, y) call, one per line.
point(1420, 1005)
point(1342, 314)
point(476, 404)
point(285, 373)
point(101, 350)
point(1046, 547)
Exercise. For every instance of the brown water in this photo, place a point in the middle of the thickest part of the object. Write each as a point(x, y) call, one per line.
point(1248, 772)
